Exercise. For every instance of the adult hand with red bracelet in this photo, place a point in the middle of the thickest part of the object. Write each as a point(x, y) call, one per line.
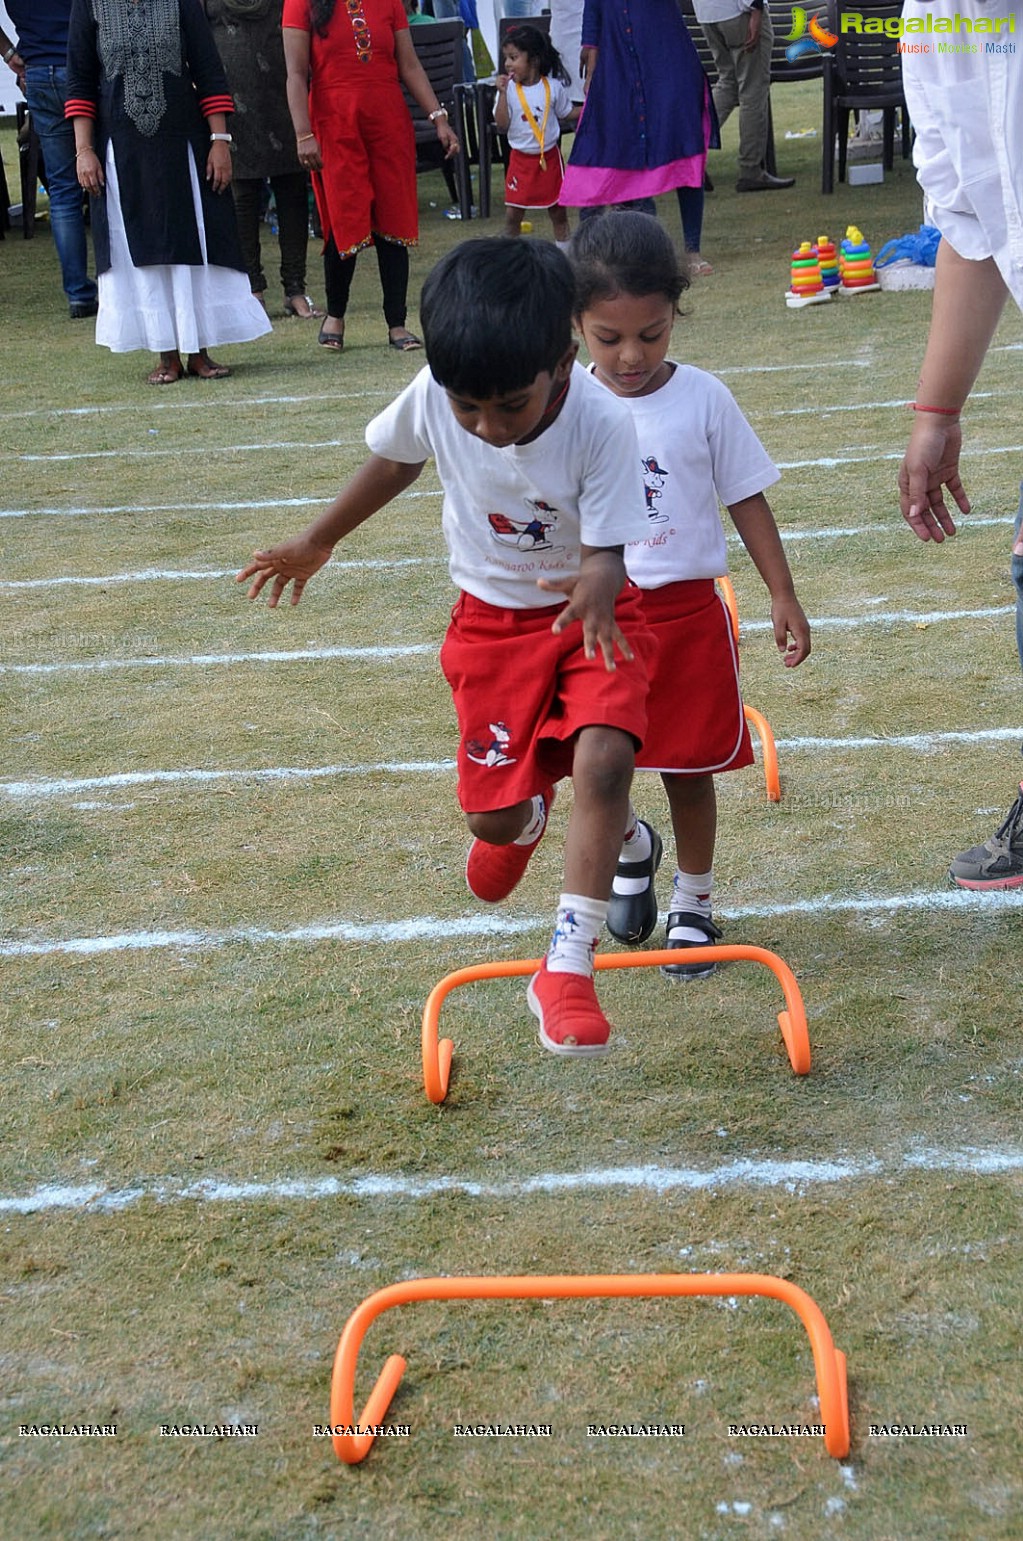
point(968, 300)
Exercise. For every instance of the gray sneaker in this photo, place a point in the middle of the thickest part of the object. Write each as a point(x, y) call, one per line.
point(998, 863)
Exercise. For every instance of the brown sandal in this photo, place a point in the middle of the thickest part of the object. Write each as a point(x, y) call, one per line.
point(202, 367)
point(167, 372)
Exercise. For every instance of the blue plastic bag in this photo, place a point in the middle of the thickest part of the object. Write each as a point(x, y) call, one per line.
point(921, 248)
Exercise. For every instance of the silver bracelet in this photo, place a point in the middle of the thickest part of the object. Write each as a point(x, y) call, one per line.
point(221, 139)
point(441, 112)
point(9, 55)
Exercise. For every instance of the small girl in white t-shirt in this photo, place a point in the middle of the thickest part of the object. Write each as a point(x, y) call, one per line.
point(532, 103)
point(697, 451)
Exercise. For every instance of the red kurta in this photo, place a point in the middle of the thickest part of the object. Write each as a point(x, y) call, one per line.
point(361, 121)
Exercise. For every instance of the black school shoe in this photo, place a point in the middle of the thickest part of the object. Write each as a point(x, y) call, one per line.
point(631, 917)
point(680, 920)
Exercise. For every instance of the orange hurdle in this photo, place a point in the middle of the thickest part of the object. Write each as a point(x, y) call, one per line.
point(757, 721)
point(437, 1051)
point(354, 1446)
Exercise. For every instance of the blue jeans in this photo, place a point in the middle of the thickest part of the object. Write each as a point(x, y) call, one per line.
point(45, 92)
point(448, 10)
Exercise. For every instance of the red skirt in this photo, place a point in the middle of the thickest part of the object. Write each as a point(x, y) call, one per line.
point(696, 724)
point(526, 186)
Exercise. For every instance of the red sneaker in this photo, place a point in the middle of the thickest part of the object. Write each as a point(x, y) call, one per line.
point(493, 871)
point(571, 1021)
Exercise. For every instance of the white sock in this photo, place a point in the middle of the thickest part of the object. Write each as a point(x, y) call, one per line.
point(535, 823)
point(576, 933)
point(691, 893)
point(637, 843)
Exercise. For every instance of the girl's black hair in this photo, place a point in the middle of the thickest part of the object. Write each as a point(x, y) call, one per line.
point(320, 13)
point(538, 49)
point(624, 253)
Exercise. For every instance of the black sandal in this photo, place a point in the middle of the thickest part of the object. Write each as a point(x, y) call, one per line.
point(333, 341)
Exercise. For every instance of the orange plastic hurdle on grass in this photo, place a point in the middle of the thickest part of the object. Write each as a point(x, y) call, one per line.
point(757, 721)
point(437, 1051)
point(829, 1362)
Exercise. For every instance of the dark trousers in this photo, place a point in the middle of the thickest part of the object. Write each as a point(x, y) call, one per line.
point(392, 260)
point(292, 200)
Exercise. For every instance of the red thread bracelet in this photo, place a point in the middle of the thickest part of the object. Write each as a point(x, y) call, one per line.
point(915, 406)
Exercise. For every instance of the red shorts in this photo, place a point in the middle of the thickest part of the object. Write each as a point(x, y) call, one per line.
point(526, 186)
point(522, 694)
point(697, 726)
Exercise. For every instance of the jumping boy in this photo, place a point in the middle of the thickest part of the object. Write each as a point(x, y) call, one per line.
point(516, 427)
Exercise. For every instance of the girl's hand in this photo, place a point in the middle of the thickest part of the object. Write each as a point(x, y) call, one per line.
point(90, 172)
point(218, 166)
point(501, 83)
point(294, 561)
point(931, 463)
point(791, 630)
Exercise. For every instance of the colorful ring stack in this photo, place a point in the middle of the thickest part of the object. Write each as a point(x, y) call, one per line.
point(807, 287)
point(827, 256)
point(856, 264)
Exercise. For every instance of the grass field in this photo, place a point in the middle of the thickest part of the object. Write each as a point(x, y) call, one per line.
point(234, 871)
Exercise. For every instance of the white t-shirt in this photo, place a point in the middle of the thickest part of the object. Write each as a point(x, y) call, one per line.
point(511, 516)
point(520, 134)
point(696, 450)
point(967, 110)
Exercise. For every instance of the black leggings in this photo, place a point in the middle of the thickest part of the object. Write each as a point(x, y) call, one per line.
point(392, 260)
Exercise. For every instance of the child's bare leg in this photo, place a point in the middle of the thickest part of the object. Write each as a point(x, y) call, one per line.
point(561, 995)
point(559, 220)
point(694, 820)
point(501, 825)
point(693, 803)
point(505, 840)
point(601, 777)
point(513, 220)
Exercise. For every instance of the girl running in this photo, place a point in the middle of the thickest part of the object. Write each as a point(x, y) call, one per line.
point(532, 103)
point(697, 451)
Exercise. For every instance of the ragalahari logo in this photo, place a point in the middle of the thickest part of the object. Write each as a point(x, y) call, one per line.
point(801, 44)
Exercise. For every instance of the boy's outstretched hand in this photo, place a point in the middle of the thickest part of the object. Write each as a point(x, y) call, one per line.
point(591, 600)
point(294, 561)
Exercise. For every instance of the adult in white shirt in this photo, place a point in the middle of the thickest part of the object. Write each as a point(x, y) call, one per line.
point(967, 108)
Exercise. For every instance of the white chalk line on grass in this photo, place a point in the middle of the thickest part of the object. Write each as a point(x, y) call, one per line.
point(794, 1176)
point(209, 660)
point(429, 928)
point(179, 575)
point(81, 511)
point(68, 786)
point(396, 653)
point(239, 403)
point(368, 564)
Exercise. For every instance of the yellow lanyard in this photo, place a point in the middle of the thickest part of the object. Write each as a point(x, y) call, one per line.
point(539, 129)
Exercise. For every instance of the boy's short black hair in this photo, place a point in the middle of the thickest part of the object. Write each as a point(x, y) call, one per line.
point(624, 252)
point(496, 312)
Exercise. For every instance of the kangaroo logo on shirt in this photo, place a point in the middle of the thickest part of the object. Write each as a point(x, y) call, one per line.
point(653, 482)
point(494, 751)
point(526, 534)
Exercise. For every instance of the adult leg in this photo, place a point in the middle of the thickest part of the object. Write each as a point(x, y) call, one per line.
point(690, 208)
point(725, 39)
point(291, 195)
point(753, 75)
point(392, 260)
point(46, 92)
point(248, 197)
point(338, 273)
